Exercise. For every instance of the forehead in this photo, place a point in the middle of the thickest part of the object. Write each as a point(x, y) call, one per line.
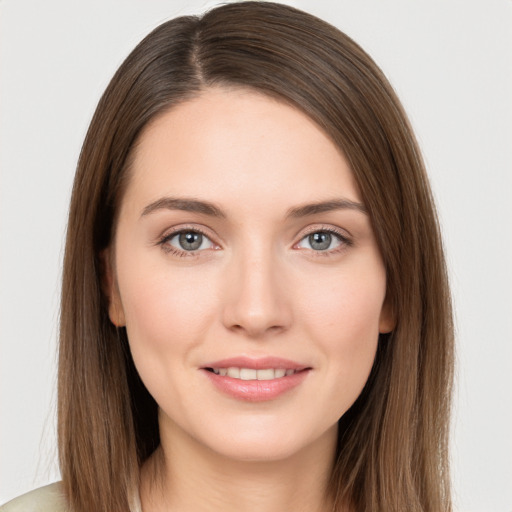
point(229, 144)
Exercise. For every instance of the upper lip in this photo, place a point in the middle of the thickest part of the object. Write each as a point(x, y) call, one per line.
point(259, 363)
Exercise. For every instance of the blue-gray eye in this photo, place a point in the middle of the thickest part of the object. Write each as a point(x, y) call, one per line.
point(190, 241)
point(321, 241)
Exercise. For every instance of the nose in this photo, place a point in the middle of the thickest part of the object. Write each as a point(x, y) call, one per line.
point(257, 301)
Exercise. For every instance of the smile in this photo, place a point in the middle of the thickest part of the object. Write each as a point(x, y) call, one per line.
point(256, 379)
point(253, 374)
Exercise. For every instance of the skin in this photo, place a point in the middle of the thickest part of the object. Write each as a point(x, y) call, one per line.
point(256, 287)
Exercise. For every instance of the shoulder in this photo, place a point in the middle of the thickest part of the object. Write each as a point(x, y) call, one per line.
point(49, 498)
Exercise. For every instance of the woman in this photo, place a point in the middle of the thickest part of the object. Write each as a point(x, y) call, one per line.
point(255, 310)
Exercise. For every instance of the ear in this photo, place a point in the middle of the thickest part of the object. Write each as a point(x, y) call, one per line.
point(110, 288)
point(387, 319)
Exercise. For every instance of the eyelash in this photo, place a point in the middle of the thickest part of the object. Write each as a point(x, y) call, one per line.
point(343, 239)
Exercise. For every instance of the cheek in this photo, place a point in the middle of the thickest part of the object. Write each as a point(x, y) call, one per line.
point(166, 309)
point(348, 303)
point(167, 312)
point(342, 316)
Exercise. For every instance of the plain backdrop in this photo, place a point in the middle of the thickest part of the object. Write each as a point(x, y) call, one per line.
point(451, 64)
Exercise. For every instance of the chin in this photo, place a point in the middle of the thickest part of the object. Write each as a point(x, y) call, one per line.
point(270, 444)
point(260, 451)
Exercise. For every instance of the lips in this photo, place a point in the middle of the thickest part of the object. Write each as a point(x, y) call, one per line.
point(255, 380)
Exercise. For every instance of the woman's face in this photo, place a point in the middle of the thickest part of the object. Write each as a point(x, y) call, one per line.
point(247, 275)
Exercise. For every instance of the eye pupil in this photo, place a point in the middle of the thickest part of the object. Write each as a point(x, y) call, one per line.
point(190, 241)
point(320, 241)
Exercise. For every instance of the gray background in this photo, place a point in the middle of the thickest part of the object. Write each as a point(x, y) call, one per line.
point(450, 62)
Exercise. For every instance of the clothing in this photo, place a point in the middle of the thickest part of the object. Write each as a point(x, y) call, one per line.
point(49, 498)
point(45, 499)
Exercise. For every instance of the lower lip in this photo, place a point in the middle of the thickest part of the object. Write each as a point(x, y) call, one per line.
point(256, 390)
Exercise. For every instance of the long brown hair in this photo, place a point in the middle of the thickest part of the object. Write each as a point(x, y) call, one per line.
point(393, 442)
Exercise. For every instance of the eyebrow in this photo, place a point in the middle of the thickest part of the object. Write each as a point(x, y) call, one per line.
point(210, 209)
point(326, 206)
point(184, 204)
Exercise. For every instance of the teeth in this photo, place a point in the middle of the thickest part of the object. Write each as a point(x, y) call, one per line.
point(234, 372)
point(252, 374)
point(266, 374)
point(248, 374)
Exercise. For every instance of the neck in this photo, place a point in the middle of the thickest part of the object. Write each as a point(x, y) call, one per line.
point(183, 475)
